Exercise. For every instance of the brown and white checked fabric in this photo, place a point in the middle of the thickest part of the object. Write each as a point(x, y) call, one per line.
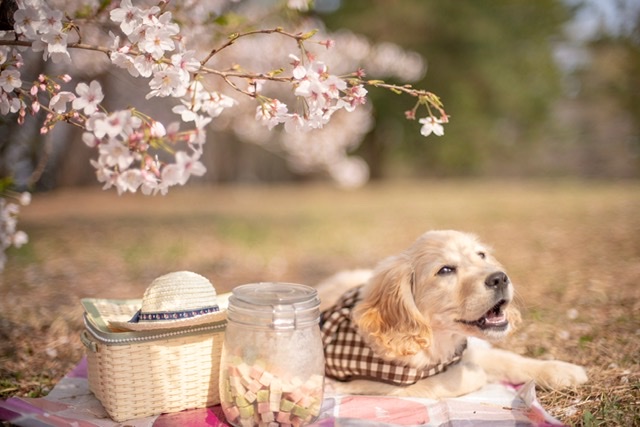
point(348, 357)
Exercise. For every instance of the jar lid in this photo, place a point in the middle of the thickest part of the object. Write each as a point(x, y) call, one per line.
point(275, 305)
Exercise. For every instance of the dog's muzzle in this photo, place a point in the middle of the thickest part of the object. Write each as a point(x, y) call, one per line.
point(495, 318)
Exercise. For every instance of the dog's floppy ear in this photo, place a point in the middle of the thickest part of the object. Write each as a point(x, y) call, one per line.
point(388, 316)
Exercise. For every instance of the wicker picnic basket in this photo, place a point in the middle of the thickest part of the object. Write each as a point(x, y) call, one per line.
point(137, 374)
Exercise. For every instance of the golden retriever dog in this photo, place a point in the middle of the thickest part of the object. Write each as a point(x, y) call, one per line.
point(410, 326)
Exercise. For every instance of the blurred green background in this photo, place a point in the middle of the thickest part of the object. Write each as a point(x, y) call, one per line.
point(534, 88)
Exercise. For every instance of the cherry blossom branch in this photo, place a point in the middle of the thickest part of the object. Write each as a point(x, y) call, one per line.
point(236, 36)
point(78, 45)
point(150, 45)
point(424, 97)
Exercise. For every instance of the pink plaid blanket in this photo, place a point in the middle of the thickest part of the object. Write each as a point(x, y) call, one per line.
point(71, 403)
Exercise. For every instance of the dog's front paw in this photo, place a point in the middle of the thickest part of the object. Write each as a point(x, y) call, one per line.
point(557, 375)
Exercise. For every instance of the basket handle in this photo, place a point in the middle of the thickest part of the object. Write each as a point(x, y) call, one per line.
point(88, 342)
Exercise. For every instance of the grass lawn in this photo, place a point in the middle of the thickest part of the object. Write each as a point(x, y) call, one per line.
point(571, 248)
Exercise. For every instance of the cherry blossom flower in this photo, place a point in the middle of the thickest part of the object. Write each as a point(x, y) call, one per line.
point(115, 153)
point(215, 103)
point(4, 54)
point(9, 234)
point(254, 86)
point(185, 112)
point(354, 96)
point(27, 22)
point(145, 64)
point(106, 126)
point(294, 123)
point(313, 91)
point(10, 80)
point(334, 86)
point(157, 130)
point(299, 72)
point(167, 82)
point(271, 113)
point(92, 122)
point(56, 47)
point(51, 21)
point(127, 15)
point(89, 96)
point(150, 183)
point(59, 101)
point(120, 122)
point(318, 119)
point(431, 125)
point(156, 41)
point(10, 104)
point(200, 123)
point(35, 21)
point(323, 93)
point(129, 180)
point(90, 139)
point(125, 61)
point(180, 171)
point(186, 62)
point(104, 173)
point(149, 17)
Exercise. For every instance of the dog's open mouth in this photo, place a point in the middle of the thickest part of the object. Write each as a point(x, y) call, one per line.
point(492, 319)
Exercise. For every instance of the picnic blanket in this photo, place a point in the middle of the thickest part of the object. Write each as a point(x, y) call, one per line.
point(70, 403)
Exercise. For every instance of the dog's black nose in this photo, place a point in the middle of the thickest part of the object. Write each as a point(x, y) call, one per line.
point(497, 280)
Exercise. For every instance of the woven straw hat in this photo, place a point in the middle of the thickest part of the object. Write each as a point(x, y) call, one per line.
point(176, 300)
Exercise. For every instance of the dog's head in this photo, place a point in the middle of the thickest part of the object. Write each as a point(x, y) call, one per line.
point(446, 281)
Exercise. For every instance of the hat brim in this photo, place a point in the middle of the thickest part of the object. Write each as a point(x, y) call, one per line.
point(217, 316)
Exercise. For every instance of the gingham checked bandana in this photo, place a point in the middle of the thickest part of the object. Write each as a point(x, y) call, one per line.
point(348, 357)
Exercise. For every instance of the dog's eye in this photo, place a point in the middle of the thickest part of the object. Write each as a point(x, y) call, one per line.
point(447, 269)
point(482, 255)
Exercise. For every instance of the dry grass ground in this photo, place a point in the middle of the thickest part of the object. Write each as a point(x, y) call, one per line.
point(572, 249)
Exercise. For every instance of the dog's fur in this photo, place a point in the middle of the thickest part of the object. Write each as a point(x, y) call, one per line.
point(419, 306)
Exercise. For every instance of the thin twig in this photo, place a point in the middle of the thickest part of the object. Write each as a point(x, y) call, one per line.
point(236, 36)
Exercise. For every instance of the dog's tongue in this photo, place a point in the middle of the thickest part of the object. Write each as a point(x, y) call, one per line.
point(495, 317)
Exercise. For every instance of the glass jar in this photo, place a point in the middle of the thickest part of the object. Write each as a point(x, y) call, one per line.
point(272, 366)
